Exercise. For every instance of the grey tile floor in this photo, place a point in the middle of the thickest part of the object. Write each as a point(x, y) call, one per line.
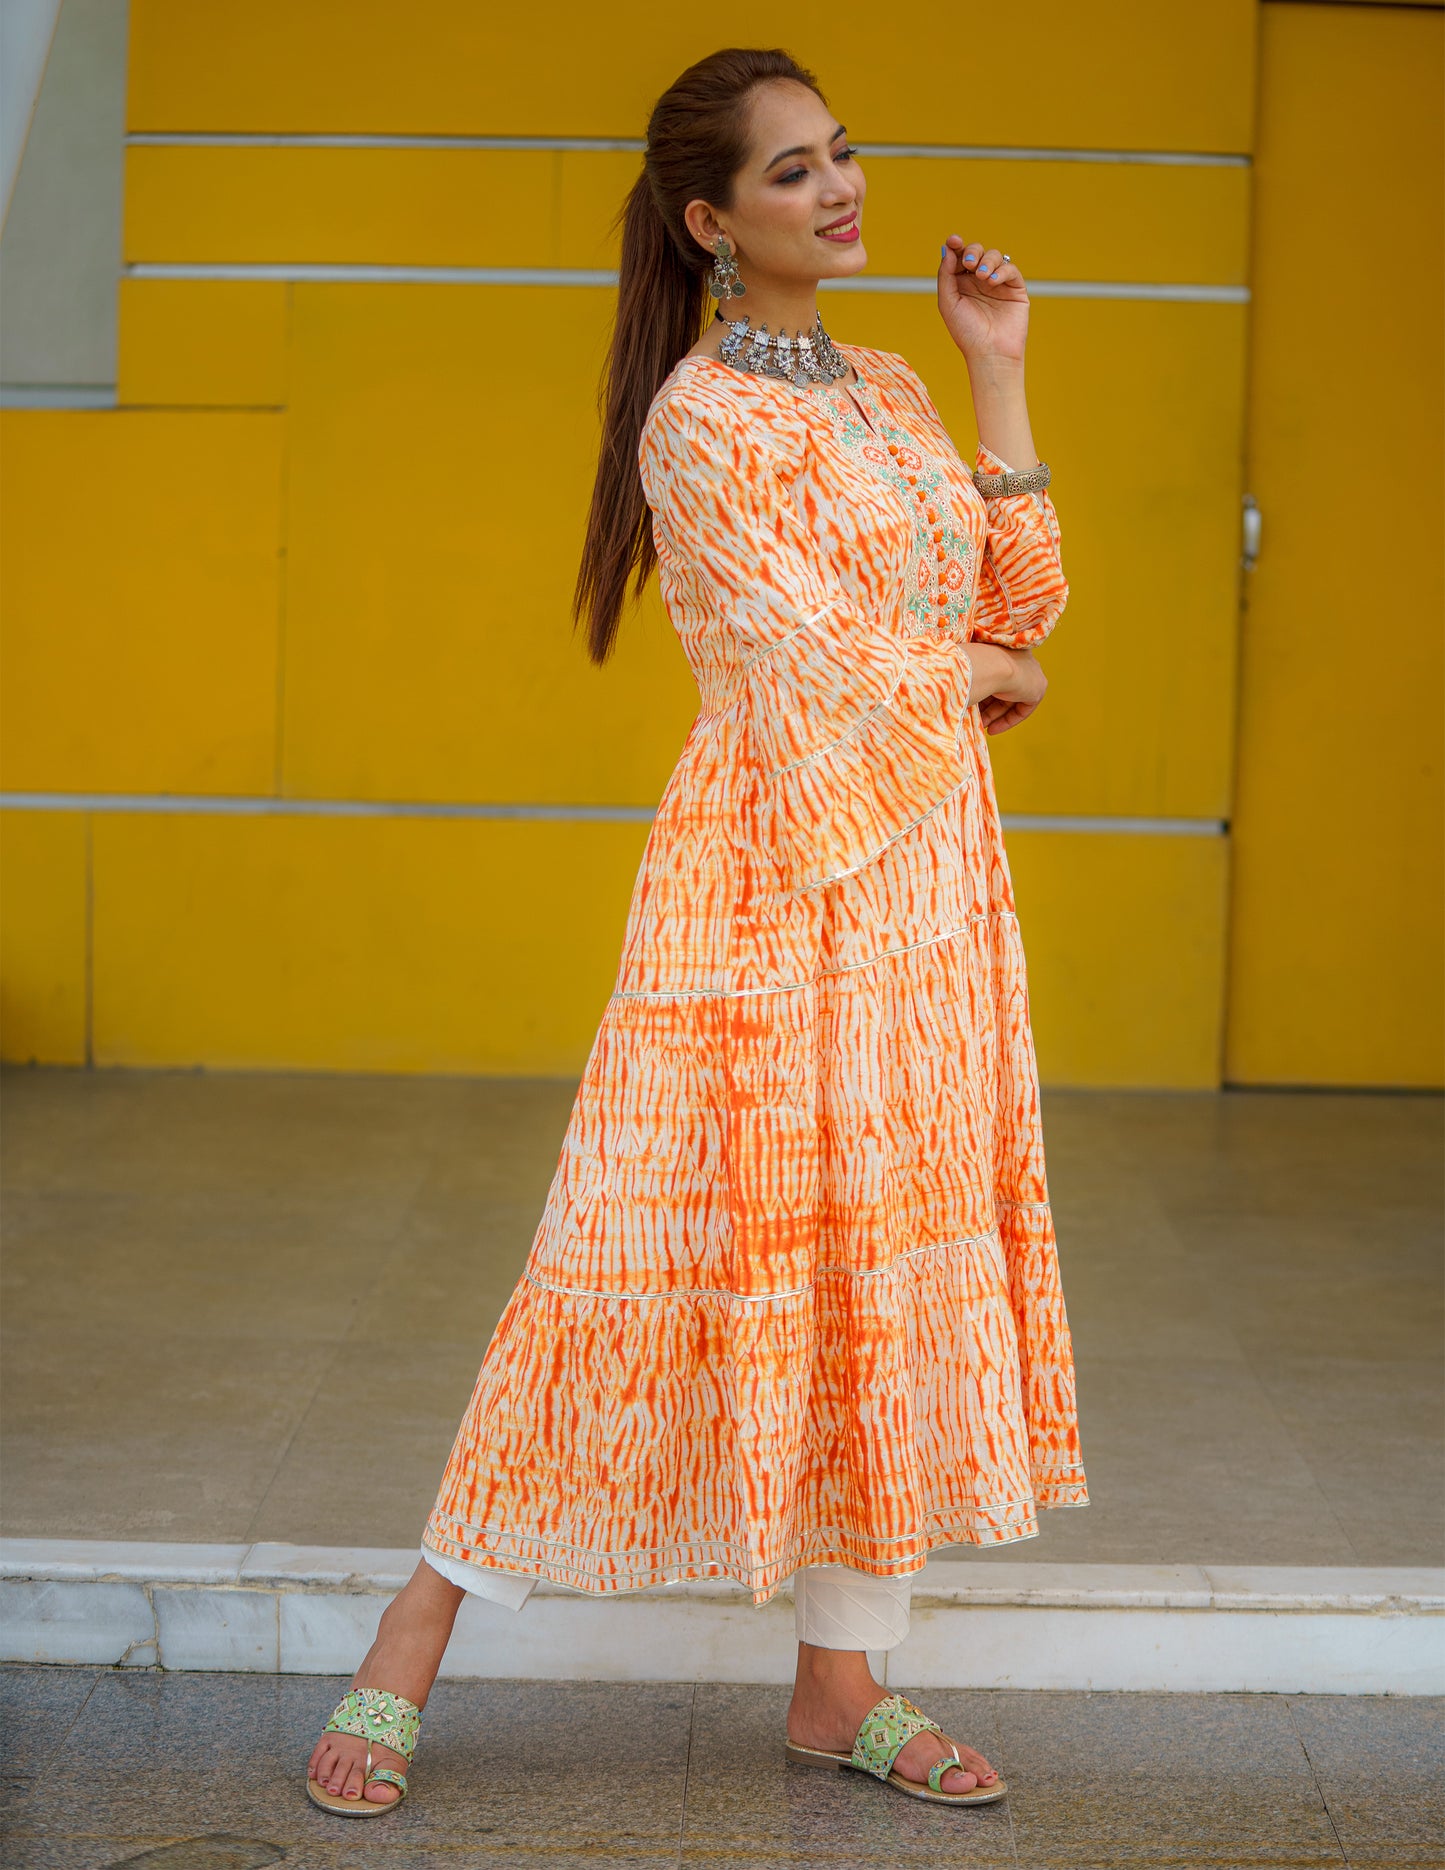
point(204, 1772)
point(1252, 1281)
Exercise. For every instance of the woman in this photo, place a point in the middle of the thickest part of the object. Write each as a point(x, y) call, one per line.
point(793, 1308)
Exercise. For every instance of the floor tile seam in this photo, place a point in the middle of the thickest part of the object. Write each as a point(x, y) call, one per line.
point(35, 1777)
point(80, 1711)
point(686, 1770)
point(1285, 1433)
point(1302, 1454)
point(328, 1363)
point(1002, 1764)
point(1298, 1733)
point(401, 1244)
point(343, 1343)
point(1169, 1857)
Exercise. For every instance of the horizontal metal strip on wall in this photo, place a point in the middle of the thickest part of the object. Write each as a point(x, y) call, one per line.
point(257, 806)
point(582, 276)
point(934, 152)
point(58, 396)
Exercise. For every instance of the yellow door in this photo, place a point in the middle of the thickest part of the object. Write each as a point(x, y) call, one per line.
point(1335, 972)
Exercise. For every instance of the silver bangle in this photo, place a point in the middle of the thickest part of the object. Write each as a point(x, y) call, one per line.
point(1026, 480)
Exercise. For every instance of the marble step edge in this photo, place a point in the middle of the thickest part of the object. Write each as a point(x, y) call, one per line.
point(275, 1566)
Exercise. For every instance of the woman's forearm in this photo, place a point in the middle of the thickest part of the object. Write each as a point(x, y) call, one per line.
point(1001, 410)
point(992, 670)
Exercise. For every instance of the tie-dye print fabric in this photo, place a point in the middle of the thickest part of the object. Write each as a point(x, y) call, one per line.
point(794, 1298)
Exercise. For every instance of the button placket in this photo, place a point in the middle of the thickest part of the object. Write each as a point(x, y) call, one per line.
point(936, 601)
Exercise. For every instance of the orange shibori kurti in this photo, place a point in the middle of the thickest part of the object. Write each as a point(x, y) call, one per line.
point(794, 1298)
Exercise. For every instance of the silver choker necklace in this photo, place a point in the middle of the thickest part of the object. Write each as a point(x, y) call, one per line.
point(810, 357)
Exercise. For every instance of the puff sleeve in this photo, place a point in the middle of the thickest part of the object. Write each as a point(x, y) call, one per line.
point(856, 724)
point(1022, 589)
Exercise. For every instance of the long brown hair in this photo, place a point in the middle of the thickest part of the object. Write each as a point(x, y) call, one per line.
point(697, 140)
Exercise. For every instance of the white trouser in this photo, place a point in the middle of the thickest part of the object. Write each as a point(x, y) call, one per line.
point(834, 1606)
point(839, 1608)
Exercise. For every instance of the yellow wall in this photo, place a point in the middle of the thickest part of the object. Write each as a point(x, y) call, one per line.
point(322, 554)
point(1122, 74)
point(1335, 973)
point(142, 582)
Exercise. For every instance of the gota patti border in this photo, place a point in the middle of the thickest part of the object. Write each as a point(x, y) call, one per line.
point(792, 1292)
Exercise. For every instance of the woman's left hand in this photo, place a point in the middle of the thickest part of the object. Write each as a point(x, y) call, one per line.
point(983, 300)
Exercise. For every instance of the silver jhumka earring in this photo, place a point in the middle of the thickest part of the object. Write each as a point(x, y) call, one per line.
point(725, 281)
point(809, 357)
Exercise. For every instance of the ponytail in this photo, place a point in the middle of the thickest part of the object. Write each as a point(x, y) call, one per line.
point(660, 302)
point(696, 144)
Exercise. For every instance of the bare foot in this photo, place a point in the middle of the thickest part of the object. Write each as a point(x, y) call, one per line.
point(835, 1689)
point(410, 1643)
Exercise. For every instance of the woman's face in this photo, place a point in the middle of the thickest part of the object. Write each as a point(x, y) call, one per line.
point(798, 199)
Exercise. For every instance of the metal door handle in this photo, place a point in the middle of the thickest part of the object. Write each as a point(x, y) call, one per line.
point(1252, 526)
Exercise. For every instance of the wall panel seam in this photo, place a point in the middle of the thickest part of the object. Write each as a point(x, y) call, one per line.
point(236, 805)
point(622, 145)
point(283, 550)
point(88, 948)
point(376, 272)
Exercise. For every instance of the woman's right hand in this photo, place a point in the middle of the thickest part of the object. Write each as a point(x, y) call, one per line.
point(1008, 684)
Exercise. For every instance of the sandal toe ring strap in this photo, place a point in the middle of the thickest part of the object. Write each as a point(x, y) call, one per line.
point(886, 1730)
point(391, 1777)
point(940, 1767)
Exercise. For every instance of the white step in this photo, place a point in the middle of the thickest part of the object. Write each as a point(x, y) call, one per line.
point(976, 1624)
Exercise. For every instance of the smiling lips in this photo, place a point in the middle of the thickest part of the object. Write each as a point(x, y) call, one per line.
point(844, 230)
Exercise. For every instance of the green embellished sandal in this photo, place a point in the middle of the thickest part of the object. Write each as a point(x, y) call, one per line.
point(885, 1730)
point(375, 1716)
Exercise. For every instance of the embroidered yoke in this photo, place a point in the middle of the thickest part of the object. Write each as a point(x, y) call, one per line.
point(794, 1298)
